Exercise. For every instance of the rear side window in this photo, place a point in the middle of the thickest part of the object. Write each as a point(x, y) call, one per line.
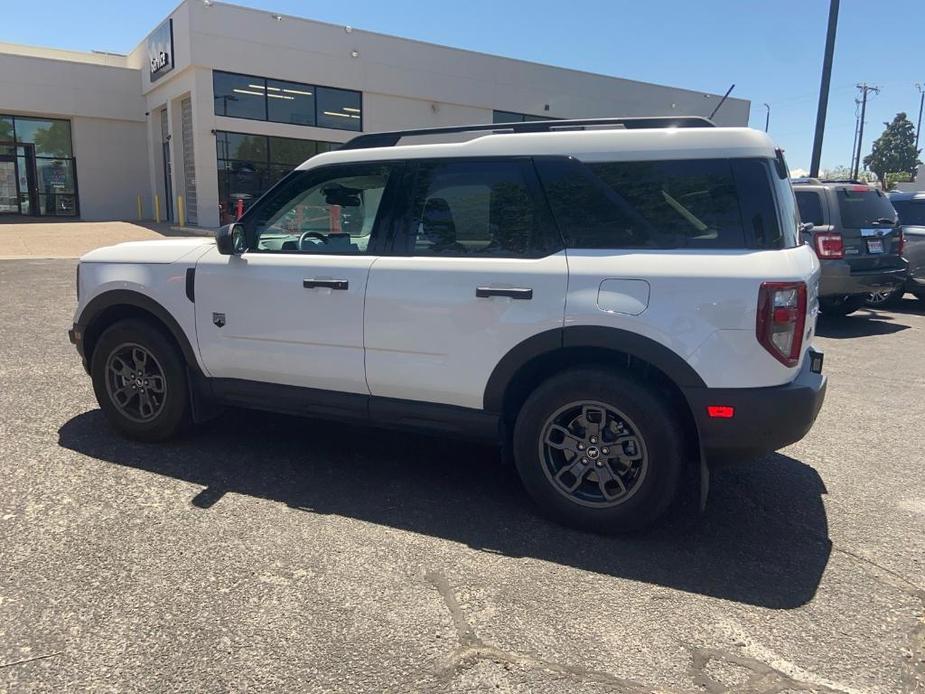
point(910, 213)
point(649, 204)
point(810, 204)
point(476, 209)
point(863, 206)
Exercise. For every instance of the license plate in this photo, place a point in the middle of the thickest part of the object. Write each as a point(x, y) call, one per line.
point(875, 246)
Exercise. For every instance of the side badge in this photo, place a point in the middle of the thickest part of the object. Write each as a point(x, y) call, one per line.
point(219, 319)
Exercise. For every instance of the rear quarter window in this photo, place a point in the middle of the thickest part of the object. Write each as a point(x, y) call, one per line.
point(649, 204)
point(810, 204)
point(911, 213)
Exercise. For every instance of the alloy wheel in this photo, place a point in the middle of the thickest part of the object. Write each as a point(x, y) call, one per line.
point(593, 454)
point(135, 382)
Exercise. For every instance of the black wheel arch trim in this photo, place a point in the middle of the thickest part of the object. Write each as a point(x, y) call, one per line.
point(127, 297)
point(601, 337)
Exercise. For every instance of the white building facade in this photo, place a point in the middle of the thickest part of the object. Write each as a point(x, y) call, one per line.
point(220, 101)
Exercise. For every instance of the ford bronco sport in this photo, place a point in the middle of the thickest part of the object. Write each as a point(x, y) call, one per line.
point(612, 300)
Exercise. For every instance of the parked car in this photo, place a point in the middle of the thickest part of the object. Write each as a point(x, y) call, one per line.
point(613, 300)
point(856, 234)
point(910, 206)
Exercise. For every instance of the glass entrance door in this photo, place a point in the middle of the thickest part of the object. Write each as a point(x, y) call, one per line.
point(9, 190)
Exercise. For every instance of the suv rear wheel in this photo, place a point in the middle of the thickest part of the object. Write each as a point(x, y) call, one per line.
point(841, 305)
point(598, 450)
point(140, 381)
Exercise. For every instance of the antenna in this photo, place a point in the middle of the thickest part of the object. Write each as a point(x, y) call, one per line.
point(722, 101)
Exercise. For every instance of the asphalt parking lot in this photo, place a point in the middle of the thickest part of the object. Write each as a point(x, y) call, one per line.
point(271, 553)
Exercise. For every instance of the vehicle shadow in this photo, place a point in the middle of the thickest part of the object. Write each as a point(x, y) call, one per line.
point(865, 322)
point(763, 539)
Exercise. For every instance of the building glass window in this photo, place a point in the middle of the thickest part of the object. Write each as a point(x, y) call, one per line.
point(339, 108)
point(512, 117)
point(290, 102)
point(45, 168)
point(249, 164)
point(239, 96)
point(259, 98)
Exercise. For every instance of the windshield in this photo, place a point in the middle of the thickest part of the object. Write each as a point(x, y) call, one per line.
point(864, 207)
point(911, 213)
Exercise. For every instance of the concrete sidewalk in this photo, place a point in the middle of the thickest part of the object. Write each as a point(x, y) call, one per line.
point(20, 240)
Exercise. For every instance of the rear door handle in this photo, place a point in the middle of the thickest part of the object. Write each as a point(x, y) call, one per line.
point(523, 293)
point(325, 284)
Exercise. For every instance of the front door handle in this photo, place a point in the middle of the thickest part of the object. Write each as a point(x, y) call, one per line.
point(523, 293)
point(325, 284)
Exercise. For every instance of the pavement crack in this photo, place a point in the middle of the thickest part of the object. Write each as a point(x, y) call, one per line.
point(30, 660)
point(761, 677)
point(896, 579)
point(473, 649)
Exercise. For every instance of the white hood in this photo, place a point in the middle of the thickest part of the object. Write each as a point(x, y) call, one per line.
point(160, 251)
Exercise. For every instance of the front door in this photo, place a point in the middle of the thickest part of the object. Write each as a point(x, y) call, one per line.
point(477, 270)
point(9, 190)
point(289, 310)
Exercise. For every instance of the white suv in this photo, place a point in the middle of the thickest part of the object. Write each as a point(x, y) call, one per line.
point(613, 300)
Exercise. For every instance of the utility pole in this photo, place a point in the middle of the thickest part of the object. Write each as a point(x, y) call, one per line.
point(854, 142)
point(918, 128)
point(865, 88)
point(824, 88)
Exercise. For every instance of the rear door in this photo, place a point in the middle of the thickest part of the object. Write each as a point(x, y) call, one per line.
point(869, 226)
point(476, 269)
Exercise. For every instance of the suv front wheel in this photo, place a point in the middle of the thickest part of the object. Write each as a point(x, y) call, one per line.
point(140, 381)
point(598, 450)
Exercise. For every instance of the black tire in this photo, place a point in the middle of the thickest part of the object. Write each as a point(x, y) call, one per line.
point(166, 414)
point(841, 306)
point(884, 300)
point(643, 411)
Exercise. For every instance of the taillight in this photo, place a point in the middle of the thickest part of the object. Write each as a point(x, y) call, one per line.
point(781, 319)
point(829, 245)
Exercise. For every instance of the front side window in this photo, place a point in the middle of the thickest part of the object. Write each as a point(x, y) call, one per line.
point(646, 204)
point(473, 209)
point(328, 211)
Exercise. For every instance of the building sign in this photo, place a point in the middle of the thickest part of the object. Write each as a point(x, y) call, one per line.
point(160, 50)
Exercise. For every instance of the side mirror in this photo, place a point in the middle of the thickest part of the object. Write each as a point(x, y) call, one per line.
point(230, 239)
point(807, 227)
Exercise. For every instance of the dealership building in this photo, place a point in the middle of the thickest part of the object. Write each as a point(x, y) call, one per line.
point(220, 101)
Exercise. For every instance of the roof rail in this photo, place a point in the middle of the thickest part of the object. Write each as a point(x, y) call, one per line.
point(390, 139)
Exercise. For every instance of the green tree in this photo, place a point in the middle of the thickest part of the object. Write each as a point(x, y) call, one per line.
point(6, 130)
point(894, 151)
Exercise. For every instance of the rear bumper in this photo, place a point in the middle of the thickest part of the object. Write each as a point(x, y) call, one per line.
point(765, 419)
point(839, 280)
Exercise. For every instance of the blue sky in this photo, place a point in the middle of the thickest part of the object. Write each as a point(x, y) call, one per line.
point(771, 50)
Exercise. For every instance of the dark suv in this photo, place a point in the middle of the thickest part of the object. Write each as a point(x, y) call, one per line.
point(855, 232)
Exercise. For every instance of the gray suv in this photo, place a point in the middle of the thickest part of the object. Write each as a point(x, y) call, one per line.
point(911, 209)
point(855, 231)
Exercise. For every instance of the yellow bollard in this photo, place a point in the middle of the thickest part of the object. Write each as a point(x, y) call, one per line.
point(181, 212)
point(138, 205)
point(157, 209)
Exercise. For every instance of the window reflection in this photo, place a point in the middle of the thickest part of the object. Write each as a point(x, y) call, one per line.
point(249, 164)
point(279, 101)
